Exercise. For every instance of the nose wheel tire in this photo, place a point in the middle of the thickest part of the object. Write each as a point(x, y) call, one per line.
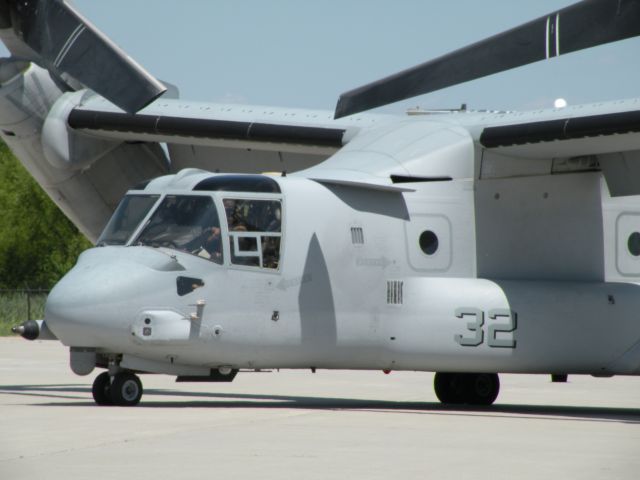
point(467, 388)
point(126, 389)
point(101, 389)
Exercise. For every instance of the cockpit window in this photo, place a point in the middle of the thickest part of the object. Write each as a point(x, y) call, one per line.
point(254, 231)
point(187, 223)
point(127, 217)
point(239, 183)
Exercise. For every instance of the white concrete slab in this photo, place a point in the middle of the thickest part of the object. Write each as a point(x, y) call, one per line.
point(300, 425)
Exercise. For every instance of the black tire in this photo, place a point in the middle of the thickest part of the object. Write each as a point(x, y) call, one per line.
point(126, 389)
point(483, 388)
point(451, 388)
point(101, 389)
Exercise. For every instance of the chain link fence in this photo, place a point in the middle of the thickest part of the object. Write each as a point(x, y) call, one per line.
point(17, 306)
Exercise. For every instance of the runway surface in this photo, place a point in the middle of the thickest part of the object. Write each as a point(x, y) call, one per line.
point(297, 424)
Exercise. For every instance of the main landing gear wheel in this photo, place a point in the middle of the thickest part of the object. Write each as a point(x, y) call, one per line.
point(467, 388)
point(126, 389)
point(101, 389)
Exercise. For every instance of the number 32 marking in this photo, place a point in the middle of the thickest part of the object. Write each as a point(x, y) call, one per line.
point(507, 328)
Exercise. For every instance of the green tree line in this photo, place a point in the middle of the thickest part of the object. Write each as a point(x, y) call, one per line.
point(38, 244)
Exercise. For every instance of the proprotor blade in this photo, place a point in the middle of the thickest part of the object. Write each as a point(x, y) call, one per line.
point(66, 43)
point(586, 24)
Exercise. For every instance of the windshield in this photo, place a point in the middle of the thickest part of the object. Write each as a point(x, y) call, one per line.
point(127, 217)
point(187, 223)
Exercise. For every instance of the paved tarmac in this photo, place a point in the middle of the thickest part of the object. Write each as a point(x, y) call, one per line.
point(294, 424)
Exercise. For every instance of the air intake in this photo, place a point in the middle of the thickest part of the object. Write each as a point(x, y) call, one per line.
point(394, 292)
point(357, 236)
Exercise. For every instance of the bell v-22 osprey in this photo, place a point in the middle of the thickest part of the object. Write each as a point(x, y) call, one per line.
point(462, 243)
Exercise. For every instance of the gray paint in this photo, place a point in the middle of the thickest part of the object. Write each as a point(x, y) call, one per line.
point(316, 305)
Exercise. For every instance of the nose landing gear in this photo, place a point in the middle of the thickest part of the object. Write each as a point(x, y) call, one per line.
point(124, 389)
point(467, 388)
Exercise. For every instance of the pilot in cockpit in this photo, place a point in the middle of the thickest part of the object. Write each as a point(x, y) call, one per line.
point(211, 244)
point(186, 223)
point(236, 221)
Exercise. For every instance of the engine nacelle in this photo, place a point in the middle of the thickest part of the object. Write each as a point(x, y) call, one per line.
point(65, 148)
point(85, 176)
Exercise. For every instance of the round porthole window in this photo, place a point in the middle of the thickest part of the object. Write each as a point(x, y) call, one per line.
point(634, 244)
point(429, 242)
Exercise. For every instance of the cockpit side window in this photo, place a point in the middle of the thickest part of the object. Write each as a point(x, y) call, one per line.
point(187, 223)
point(127, 217)
point(255, 231)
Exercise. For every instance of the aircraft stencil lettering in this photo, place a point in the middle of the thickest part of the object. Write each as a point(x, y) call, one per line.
point(477, 325)
point(363, 255)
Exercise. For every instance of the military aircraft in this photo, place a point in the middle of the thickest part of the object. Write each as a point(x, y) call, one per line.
point(466, 243)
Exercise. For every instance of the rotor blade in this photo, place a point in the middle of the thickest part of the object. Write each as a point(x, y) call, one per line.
point(586, 24)
point(66, 43)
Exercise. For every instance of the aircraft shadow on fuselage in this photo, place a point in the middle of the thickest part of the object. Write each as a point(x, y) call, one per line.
point(72, 396)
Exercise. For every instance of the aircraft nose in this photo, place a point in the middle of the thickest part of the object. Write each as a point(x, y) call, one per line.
point(101, 295)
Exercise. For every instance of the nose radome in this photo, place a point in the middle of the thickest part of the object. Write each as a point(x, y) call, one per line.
point(99, 298)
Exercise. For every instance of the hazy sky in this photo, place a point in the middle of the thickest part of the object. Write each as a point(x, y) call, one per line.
point(303, 53)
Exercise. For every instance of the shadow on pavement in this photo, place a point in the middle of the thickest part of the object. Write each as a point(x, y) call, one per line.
point(81, 396)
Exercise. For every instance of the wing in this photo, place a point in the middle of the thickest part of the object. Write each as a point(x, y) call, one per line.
point(238, 138)
point(367, 150)
point(603, 136)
